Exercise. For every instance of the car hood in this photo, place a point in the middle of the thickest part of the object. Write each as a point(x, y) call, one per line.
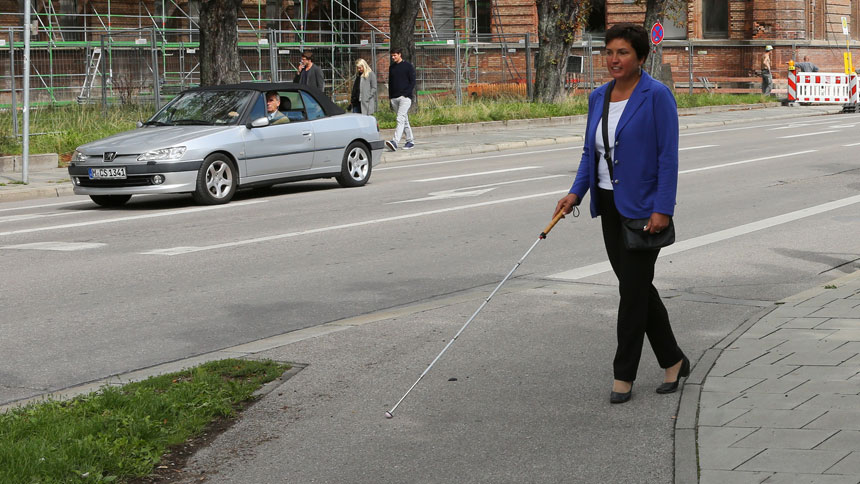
point(145, 139)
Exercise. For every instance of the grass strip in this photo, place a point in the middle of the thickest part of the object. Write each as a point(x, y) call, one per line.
point(61, 129)
point(120, 433)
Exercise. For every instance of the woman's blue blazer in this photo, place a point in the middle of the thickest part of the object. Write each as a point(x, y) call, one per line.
point(646, 151)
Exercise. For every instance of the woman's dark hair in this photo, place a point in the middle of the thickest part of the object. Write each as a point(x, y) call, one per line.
point(633, 33)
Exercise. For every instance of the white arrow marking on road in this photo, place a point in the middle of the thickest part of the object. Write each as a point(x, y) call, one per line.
point(459, 160)
point(473, 191)
point(446, 194)
point(476, 174)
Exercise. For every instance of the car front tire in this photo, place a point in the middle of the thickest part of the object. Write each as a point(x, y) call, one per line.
point(110, 200)
point(355, 170)
point(216, 180)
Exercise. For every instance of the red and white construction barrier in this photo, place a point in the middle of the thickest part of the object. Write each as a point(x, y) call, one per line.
point(822, 87)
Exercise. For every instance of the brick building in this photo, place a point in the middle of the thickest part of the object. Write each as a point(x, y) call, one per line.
point(712, 38)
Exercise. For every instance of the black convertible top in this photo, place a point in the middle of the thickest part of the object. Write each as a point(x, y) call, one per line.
point(329, 107)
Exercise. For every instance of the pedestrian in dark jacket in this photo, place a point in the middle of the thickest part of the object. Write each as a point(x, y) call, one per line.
point(401, 86)
point(309, 73)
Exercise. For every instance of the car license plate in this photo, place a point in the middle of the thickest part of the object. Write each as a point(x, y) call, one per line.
point(113, 173)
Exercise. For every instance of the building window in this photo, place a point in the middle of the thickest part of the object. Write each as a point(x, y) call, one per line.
point(675, 30)
point(715, 19)
point(484, 20)
point(596, 22)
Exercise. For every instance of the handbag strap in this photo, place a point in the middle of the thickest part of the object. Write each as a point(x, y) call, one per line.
point(607, 155)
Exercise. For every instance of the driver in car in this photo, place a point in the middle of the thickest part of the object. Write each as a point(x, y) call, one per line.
point(273, 102)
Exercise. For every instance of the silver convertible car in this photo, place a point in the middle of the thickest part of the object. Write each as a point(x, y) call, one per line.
point(211, 141)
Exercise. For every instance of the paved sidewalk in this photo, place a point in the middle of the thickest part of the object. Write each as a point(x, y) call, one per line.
point(781, 403)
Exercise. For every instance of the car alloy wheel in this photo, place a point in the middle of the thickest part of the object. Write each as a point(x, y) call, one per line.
point(356, 166)
point(216, 180)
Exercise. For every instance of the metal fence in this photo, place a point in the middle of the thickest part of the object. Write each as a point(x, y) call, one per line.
point(149, 66)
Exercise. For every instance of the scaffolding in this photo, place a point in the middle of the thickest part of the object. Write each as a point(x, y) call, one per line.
point(102, 49)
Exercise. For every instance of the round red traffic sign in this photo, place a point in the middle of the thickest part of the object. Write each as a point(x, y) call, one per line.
point(657, 33)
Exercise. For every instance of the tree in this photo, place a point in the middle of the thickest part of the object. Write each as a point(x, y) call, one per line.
point(219, 42)
point(402, 25)
point(659, 11)
point(558, 21)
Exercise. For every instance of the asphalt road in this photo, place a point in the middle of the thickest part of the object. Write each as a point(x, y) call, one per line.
point(89, 292)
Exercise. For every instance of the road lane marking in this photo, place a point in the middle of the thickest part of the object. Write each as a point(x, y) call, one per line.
point(696, 242)
point(480, 173)
point(852, 144)
point(59, 246)
point(747, 127)
point(474, 190)
point(134, 217)
point(30, 216)
point(520, 153)
point(808, 134)
point(790, 126)
point(712, 167)
point(41, 206)
point(187, 250)
point(696, 147)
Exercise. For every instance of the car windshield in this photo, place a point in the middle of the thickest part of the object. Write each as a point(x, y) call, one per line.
point(216, 107)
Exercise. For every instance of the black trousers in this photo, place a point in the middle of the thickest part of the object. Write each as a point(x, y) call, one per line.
point(640, 312)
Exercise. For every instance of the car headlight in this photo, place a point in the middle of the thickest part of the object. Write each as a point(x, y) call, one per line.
point(78, 157)
point(163, 154)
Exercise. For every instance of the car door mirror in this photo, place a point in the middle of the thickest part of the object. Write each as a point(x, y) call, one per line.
point(258, 123)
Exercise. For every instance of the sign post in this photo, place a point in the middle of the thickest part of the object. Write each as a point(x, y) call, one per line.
point(849, 64)
point(656, 38)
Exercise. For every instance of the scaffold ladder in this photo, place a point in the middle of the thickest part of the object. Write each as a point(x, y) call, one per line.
point(509, 64)
point(428, 20)
point(90, 79)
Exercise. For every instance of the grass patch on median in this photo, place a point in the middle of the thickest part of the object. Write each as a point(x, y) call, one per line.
point(64, 128)
point(120, 433)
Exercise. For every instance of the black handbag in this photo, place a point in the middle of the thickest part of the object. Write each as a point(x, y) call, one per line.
point(632, 229)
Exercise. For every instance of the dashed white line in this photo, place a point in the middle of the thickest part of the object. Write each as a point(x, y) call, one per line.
point(696, 242)
point(696, 147)
point(133, 217)
point(808, 134)
point(712, 167)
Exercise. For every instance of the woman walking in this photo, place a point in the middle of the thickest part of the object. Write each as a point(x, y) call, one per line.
point(636, 179)
point(363, 99)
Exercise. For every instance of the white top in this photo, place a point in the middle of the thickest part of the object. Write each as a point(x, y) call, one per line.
point(615, 111)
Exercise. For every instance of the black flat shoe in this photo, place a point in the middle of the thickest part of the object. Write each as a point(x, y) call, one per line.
point(618, 397)
point(672, 387)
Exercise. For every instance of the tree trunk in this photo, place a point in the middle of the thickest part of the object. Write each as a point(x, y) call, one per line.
point(558, 21)
point(402, 26)
point(653, 14)
point(219, 42)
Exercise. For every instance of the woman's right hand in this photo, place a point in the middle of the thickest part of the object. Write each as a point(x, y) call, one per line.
point(566, 204)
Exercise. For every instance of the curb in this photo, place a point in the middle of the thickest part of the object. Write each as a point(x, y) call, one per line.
point(687, 421)
point(19, 194)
